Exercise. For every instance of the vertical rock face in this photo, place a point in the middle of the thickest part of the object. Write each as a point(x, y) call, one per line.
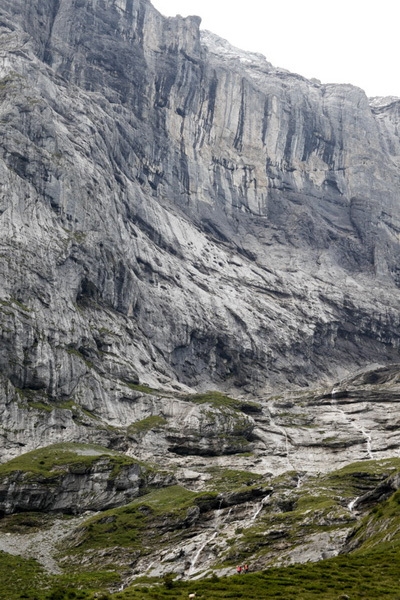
point(179, 212)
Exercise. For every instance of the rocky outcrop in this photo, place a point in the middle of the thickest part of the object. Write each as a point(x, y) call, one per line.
point(91, 480)
point(148, 424)
point(353, 420)
point(71, 492)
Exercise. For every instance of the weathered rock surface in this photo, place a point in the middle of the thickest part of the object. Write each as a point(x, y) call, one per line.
point(356, 419)
point(179, 212)
point(242, 511)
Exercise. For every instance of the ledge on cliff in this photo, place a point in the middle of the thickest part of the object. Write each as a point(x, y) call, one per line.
point(71, 479)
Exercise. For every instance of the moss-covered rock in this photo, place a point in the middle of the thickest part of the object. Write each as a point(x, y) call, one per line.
point(69, 478)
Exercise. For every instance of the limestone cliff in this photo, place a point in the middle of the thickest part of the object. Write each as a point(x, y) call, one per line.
point(71, 479)
point(178, 213)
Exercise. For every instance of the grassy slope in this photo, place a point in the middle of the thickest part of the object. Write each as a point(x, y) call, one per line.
point(372, 575)
point(153, 520)
point(372, 571)
point(318, 505)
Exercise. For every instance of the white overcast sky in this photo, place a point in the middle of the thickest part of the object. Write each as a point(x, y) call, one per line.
point(342, 41)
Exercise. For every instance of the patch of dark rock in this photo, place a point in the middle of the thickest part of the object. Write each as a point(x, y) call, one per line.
point(202, 269)
point(145, 510)
point(87, 352)
point(286, 505)
point(109, 519)
point(248, 408)
point(329, 396)
point(332, 184)
point(277, 534)
point(286, 404)
point(247, 253)
point(88, 293)
point(233, 498)
point(381, 493)
point(337, 444)
point(130, 399)
point(155, 236)
point(192, 515)
point(193, 451)
point(214, 230)
point(382, 376)
point(208, 502)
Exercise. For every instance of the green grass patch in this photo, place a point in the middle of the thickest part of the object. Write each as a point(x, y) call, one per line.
point(21, 578)
point(26, 522)
point(13, 302)
point(374, 576)
point(152, 422)
point(357, 478)
point(51, 461)
point(219, 400)
point(145, 389)
point(41, 406)
point(371, 467)
point(90, 584)
point(227, 480)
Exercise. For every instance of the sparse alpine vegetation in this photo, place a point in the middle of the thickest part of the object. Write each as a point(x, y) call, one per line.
point(272, 521)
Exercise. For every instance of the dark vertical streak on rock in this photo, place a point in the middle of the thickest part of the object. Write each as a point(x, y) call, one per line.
point(290, 137)
point(129, 8)
point(184, 170)
point(47, 56)
point(187, 86)
point(311, 136)
point(212, 97)
point(164, 83)
point(238, 142)
point(265, 119)
point(141, 14)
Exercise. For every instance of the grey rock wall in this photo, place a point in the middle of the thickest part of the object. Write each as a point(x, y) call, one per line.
point(180, 213)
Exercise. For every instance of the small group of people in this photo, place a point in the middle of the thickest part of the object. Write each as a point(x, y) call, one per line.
point(242, 569)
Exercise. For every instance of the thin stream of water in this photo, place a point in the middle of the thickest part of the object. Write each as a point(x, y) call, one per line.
point(199, 551)
point(353, 424)
point(351, 504)
point(209, 539)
